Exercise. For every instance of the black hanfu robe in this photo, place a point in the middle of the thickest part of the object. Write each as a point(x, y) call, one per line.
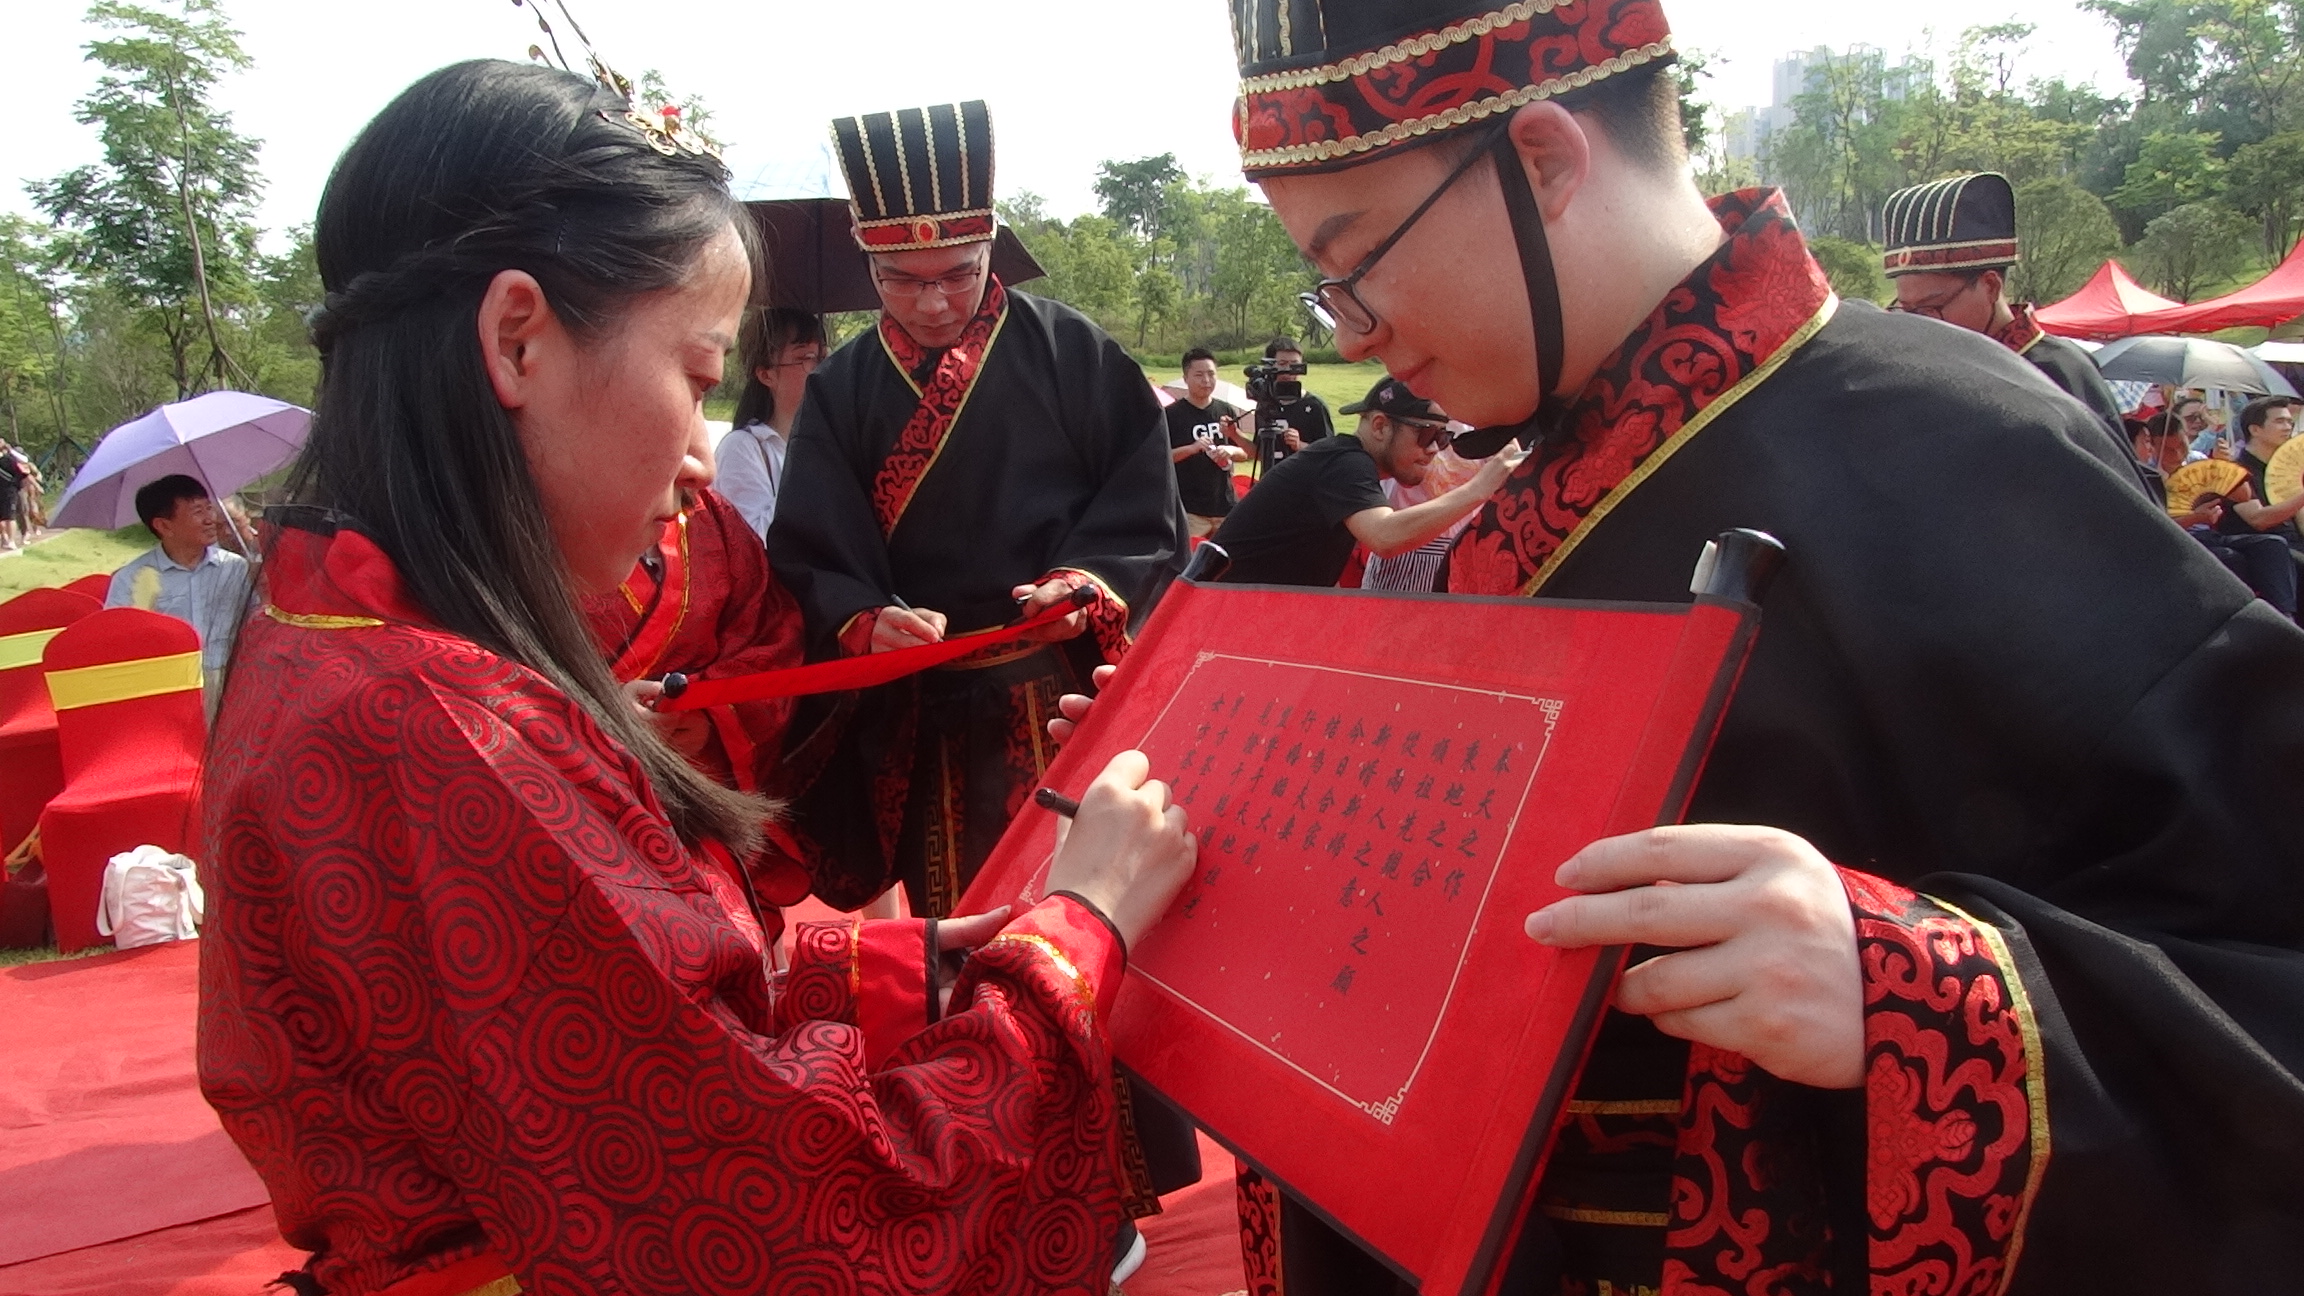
point(1034, 449)
point(1031, 450)
point(2074, 371)
point(2055, 749)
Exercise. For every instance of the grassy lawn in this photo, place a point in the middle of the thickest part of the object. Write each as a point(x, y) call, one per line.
point(70, 556)
point(46, 954)
point(1337, 384)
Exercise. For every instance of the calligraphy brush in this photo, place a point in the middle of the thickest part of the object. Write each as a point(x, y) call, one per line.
point(1051, 799)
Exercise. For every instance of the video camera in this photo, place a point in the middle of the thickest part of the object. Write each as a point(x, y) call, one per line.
point(1272, 383)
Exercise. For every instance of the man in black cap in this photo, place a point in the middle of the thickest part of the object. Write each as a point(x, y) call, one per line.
point(2011, 964)
point(1950, 244)
point(1298, 526)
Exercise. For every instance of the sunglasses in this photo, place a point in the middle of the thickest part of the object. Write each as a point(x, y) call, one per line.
point(1431, 436)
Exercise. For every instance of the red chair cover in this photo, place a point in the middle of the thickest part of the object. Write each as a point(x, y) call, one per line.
point(131, 740)
point(30, 770)
point(96, 586)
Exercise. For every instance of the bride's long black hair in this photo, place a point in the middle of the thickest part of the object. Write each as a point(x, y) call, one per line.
point(475, 169)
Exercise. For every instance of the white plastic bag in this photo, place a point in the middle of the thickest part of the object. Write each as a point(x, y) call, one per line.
point(150, 897)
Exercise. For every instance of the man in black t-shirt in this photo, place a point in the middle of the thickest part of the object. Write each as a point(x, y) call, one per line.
point(1298, 526)
point(1301, 421)
point(2266, 423)
point(1204, 441)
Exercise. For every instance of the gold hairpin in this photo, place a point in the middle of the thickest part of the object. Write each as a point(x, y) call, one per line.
point(666, 130)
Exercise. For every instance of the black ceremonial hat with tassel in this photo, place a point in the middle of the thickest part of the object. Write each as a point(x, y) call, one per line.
point(1329, 84)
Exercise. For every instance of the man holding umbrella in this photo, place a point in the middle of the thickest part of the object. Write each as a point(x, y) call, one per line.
point(187, 575)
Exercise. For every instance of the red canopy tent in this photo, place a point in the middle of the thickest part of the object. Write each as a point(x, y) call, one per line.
point(2111, 305)
point(2274, 299)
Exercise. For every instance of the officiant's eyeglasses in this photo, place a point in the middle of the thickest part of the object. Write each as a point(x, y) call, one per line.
point(1336, 302)
point(959, 283)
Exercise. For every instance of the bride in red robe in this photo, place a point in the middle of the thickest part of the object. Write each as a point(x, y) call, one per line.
point(483, 998)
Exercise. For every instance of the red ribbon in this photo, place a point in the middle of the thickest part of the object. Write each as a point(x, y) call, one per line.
point(865, 671)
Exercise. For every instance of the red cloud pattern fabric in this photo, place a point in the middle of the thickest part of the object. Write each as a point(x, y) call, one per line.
point(465, 994)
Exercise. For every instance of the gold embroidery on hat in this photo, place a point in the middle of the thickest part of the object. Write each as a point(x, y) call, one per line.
point(903, 168)
point(1415, 47)
point(1330, 150)
point(960, 125)
point(864, 146)
point(935, 172)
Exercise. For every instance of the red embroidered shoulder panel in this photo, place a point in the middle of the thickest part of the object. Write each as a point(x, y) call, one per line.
point(941, 400)
point(1757, 296)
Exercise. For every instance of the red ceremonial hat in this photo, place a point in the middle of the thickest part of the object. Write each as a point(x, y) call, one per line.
point(1327, 84)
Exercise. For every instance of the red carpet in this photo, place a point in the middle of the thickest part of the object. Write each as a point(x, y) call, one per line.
point(105, 1133)
point(115, 1179)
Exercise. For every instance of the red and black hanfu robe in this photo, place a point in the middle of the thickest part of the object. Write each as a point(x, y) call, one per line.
point(1032, 449)
point(2055, 749)
point(475, 1014)
point(705, 604)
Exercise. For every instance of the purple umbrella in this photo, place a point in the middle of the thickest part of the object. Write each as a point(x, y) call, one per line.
point(224, 440)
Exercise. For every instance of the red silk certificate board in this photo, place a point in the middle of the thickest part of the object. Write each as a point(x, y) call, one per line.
point(1383, 787)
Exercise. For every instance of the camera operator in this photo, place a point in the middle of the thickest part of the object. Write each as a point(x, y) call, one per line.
point(1288, 418)
point(1298, 526)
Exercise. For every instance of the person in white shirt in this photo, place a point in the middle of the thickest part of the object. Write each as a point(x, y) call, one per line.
point(779, 349)
point(186, 575)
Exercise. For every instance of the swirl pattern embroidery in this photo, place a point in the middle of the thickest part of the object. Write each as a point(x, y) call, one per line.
point(1726, 321)
point(466, 995)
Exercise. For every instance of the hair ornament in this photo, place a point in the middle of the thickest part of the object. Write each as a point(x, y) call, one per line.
point(665, 128)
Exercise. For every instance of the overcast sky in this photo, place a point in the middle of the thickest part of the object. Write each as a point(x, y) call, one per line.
point(1070, 82)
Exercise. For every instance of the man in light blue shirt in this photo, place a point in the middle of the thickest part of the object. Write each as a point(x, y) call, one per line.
point(186, 576)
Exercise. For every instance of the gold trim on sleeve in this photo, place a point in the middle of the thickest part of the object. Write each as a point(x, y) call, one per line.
point(318, 620)
point(1624, 1107)
point(1085, 992)
point(1593, 1215)
point(1687, 432)
point(2035, 1079)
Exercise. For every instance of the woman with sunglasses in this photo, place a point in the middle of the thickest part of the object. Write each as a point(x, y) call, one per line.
point(483, 999)
point(1300, 523)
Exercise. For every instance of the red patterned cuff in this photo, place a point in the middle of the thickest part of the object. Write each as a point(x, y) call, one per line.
point(826, 978)
point(1062, 945)
point(1955, 1100)
point(893, 989)
point(855, 638)
point(1107, 617)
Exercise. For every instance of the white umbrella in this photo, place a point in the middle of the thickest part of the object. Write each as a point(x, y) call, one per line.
point(223, 440)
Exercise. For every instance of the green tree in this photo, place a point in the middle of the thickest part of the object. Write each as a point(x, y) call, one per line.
point(1136, 195)
point(1258, 271)
point(32, 337)
point(2066, 232)
point(1837, 160)
point(1159, 294)
point(2267, 182)
point(166, 217)
point(2192, 247)
point(1853, 268)
point(2173, 169)
point(1689, 73)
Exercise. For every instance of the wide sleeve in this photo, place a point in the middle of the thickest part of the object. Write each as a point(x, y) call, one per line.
point(1130, 539)
point(614, 1098)
point(826, 544)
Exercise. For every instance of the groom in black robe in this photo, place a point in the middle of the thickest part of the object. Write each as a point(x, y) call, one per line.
point(2003, 990)
point(978, 455)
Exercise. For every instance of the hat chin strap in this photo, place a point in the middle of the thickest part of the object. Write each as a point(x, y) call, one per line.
point(1543, 307)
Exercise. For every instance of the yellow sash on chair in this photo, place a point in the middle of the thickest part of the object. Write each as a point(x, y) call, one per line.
point(123, 681)
point(20, 650)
